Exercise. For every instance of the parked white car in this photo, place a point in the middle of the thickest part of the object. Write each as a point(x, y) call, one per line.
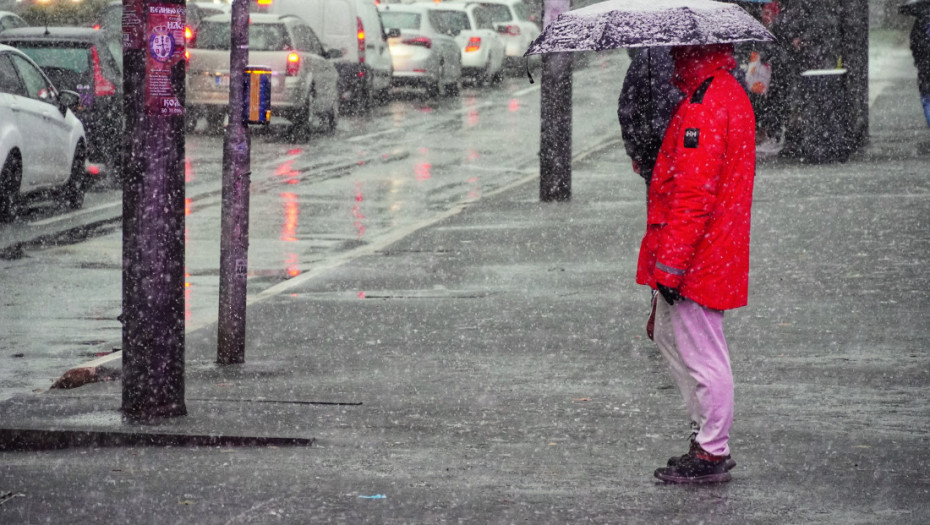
point(303, 78)
point(512, 18)
point(422, 54)
point(473, 28)
point(42, 143)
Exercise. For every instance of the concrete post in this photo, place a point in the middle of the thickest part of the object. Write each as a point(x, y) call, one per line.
point(234, 234)
point(555, 137)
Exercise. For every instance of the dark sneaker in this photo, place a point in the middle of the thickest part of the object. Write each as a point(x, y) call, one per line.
point(728, 461)
point(699, 467)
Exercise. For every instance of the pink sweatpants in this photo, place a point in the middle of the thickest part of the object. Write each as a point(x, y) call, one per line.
point(690, 337)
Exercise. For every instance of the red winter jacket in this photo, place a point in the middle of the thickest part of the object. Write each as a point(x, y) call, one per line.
point(697, 232)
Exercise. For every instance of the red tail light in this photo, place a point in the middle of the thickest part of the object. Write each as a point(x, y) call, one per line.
point(102, 86)
point(474, 44)
point(188, 36)
point(418, 41)
point(293, 65)
point(361, 40)
point(513, 30)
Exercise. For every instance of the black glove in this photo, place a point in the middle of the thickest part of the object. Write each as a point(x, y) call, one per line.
point(669, 294)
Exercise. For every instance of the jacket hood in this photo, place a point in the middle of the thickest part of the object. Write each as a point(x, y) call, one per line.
point(693, 64)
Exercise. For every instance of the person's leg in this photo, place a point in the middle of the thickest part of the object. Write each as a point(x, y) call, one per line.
point(702, 349)
point(664, 335)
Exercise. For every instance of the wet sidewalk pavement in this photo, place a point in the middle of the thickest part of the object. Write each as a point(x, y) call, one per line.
point(493, 368)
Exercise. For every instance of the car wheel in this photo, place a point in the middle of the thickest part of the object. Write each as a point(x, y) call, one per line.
point(302, 123)
point(77, 184)
point(331, 119)
point(437, 88)
point(190, 122)
point(215, 120)
point(453, 88)
point(10, 178)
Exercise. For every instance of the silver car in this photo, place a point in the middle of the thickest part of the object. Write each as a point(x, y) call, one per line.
point(423, 54)
point(303, 77)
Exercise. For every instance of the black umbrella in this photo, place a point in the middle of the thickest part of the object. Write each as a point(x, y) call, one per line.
point(915, 7)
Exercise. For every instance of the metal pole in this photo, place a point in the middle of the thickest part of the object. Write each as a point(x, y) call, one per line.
point(555, 137)
point(234, 235)
point(153, 209)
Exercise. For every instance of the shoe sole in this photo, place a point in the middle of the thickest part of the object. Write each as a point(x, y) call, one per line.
point(722, 477)
point(728, 464)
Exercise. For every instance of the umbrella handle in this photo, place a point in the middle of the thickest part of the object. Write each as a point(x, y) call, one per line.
point(526, 61)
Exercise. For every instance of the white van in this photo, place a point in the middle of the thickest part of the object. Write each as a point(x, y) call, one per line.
point(354, 27)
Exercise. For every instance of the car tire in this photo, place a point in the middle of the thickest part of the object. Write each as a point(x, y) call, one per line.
point(331, 119)
point(190, 122)
point(10, 179)
point(437, 88)
point(215, 121)
point(74, 189)
point(453, 88)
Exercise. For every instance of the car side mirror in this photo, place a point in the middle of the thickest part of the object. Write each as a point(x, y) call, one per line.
point(392, 33)
point(333, 53)
point(68, 99)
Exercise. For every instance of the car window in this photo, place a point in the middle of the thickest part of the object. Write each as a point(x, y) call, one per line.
point(11, 22)
point(262, 37)
point(400, 20)
point(522, 11)
point(305, 40)
point(9, 78)
point(450, 22)
point(67, 67)
point(36, 86)
point(499, 12)
point(482, 18)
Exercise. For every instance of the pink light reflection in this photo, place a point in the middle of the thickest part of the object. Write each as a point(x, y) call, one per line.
point(422, 171)
point(291, 216)
point(357, 214)
point(514, 105)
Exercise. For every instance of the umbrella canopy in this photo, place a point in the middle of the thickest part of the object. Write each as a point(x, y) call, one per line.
point(915, 7)
point(641, 23)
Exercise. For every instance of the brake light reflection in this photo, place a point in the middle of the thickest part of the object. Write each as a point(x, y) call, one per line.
point(358, 217)
point(289, 231)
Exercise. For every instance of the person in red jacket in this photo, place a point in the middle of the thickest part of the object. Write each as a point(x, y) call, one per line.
point(696, 248)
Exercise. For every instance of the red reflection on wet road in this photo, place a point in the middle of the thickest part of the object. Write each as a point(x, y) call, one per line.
point(188, 170)
point(357, 211)
point(288, 173)
point(291, 215)
point(514, 105)
point(289, 231)
point(422, 171)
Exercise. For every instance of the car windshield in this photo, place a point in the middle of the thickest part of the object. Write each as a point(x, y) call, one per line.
point(400, 20)
point(262, 37)
point(499, 12)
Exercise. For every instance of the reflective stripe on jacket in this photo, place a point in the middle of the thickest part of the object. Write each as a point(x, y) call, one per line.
point(698, 216)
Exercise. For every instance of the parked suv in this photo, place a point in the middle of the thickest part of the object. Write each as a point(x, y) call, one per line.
point(41, 141)
point(303, 77)
point(82, 60)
